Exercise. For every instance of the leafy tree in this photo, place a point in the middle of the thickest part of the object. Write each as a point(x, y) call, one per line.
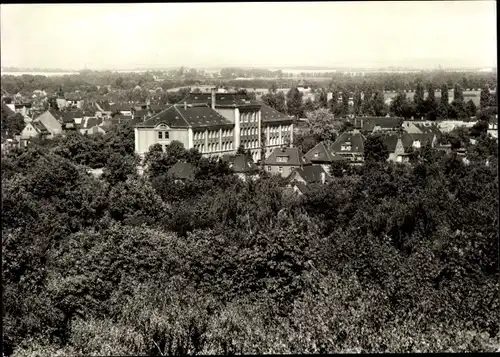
point(375, 149)
point(119, 168)
point(443, 104)
point(399, 105)
point(431, 104)
point(13, 124)
point(418, 99)
point(323, 125)
point(378, 104)
point(241, 151)
point(357, 102)
point(345, 102)
point(309, 105)
point(470, 108)
point(275, 100)
point(480, 128)
point(294, 103)
point(458, 94)
point(322, 99)
point(367, 107)
point(485, 97)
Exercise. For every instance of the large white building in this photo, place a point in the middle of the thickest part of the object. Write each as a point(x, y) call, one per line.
point(216, 124)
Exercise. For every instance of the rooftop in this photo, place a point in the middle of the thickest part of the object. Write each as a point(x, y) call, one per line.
point(294, 157)
point(180, 116)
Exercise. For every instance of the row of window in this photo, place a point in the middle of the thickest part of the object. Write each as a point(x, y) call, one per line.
point(249, 131)
point(226, 146)
point(248, 117)
point(199, 135)
point(250, 143)
point(276, 129)
point(276, 141)
point(280, 169)
point(163, 135)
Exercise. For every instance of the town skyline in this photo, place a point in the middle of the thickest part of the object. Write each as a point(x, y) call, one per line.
point(423, 35)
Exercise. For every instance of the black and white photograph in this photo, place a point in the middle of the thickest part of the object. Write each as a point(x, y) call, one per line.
point(249, 178)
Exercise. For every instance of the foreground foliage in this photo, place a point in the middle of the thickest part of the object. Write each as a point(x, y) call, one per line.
point(386, 258)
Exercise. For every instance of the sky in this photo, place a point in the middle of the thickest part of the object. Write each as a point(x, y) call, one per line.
point(419, 34)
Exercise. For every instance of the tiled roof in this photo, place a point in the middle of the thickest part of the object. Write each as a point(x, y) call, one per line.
point(68, 117)
point(140, 113)
point(177, 116)
point(367, 124)
point(357, 141)
point(73, 97)
point(407, 139)
point(295, 157)
point(222, 99)
point(182, 170)
point(323, 154)
point(239, 163)
point(302, 188)
point(431, 129)
point(391, 141)
point(90, 122)
point(77, 113)
point(312, 174)
point(104, 104)
point(268, 114)
point(38, 125)
point(118, 107)
point(6, 111)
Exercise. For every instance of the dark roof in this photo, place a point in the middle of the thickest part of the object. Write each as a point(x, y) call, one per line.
point(429, 129)
point(323, 154)
point(391, 141)
point(38, 125)
point(367, 124)
point(407, 140)
point(123, 117)
point(357, 141)
point(268, 114)
point(68, 117)
point(295, 157)
point(78, 113)
point(91, 122)
point(21, 105)
point(222, 99)
point(56, 114)
point(312, 174)
point(6, 111)
point(104, 104)
point(177, 116)
point(239, 163)
point(141, 113)
point(73, 97)
point(118, 107)
point(182, 170)
point(302, 188)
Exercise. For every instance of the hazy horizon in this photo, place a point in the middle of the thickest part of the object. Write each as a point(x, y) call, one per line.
point(451, 34)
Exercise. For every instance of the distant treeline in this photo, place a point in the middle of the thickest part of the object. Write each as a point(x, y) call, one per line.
point(91, 81)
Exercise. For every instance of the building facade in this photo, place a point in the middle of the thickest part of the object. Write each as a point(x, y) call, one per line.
point(216, 124)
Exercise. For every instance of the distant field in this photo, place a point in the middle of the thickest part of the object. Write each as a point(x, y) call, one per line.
point(47, 74)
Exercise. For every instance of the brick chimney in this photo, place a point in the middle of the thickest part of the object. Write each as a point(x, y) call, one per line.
point(212, 92)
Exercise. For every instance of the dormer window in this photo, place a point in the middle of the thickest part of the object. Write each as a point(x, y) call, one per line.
point(316, 154)
point(281, 158)
point(346, 146)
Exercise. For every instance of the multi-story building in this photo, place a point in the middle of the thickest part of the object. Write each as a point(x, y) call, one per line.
point(217, 124)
